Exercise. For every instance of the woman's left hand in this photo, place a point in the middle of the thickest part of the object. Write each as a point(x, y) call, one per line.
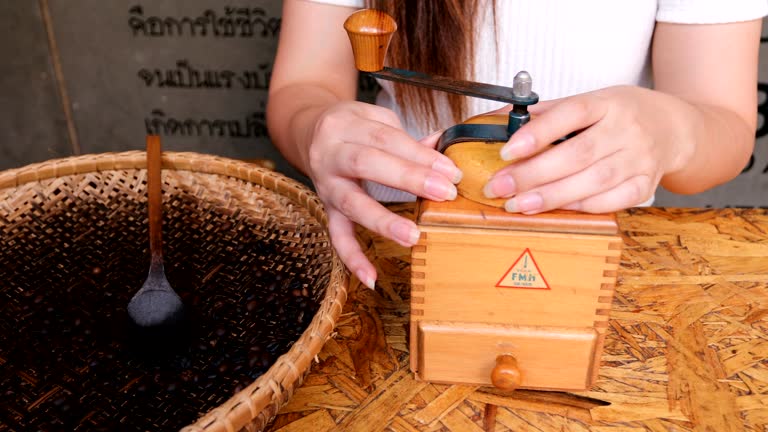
point(624, 147)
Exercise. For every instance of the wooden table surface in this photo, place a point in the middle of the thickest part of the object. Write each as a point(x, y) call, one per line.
point(686, 349)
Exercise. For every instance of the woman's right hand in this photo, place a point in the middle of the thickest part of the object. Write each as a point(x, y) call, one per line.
point(314, 120)
point(355, 141)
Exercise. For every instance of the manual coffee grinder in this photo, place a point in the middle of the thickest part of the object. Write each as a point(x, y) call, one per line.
point(500, 299)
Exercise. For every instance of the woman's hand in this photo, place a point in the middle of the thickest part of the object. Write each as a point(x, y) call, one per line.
point(354, 141)
point(624, 148)
point(317, 125)
point(693, 132)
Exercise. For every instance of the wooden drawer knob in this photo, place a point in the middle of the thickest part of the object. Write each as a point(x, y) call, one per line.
point(506, 375)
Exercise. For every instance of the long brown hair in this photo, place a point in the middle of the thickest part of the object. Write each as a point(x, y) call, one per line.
point(434, 37)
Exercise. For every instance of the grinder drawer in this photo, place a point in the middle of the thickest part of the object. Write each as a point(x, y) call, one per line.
point(466, 353)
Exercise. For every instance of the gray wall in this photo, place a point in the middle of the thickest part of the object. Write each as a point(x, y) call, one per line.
point(194, 71)
point(32, 124)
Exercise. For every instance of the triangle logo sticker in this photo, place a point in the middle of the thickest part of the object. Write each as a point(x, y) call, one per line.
point(524, 273)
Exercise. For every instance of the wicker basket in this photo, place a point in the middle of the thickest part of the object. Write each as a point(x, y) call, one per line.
point(288, 211)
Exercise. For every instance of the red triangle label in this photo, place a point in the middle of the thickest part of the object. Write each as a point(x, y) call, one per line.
point(524, 273)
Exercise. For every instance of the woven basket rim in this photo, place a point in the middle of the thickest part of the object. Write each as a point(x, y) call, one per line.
point(259, 402)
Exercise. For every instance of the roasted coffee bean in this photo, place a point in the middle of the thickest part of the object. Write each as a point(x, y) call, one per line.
point(62, 404)
point(184, 362)
point(250, 312)
point(273, 286)
point(266, 361)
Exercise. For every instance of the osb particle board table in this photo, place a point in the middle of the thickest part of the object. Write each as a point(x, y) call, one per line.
point(686, 349)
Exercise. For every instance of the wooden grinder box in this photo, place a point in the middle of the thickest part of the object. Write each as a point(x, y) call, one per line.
point(511, 300)
point(498, 298)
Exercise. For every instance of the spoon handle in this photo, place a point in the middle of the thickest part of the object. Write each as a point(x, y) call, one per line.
point(154, 187)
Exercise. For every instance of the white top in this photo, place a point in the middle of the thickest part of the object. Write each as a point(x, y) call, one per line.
point(568, 47)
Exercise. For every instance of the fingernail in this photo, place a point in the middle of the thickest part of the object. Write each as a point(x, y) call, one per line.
point(520, 145)
point(446, 167)
point(439, 188)
point(500, 186)
point(525, 203)
point(406, 232)
point(367, 280)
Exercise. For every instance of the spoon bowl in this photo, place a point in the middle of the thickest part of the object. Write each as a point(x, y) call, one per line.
point(156, 303)
point(156, 311)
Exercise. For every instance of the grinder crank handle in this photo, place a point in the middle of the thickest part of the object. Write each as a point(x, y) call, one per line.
point(370, 32)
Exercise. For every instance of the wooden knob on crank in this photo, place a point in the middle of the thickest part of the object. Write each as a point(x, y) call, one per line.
point(506, 375)
point(370, 32)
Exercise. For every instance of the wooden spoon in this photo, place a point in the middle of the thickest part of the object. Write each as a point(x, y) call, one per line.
point(156, 306)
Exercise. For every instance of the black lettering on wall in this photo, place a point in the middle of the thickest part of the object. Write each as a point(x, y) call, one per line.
point(235, 22)
point(750, 164)
point(762, 113)
point(253, 126)
point(185, 76)
point(762, 109)
point(762, 129)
